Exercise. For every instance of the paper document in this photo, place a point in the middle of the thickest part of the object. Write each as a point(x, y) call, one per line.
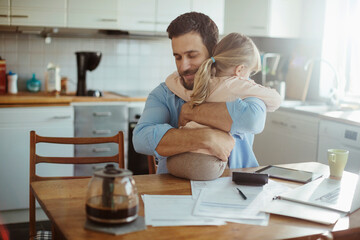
point(324, 200)
point(220, 198)
point(302, 211)
point(170, 210)
point(328, 193)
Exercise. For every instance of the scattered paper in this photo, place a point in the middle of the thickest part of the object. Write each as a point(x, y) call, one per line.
point(171, 210)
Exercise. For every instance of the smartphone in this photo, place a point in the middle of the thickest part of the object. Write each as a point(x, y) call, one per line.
point(289, 174)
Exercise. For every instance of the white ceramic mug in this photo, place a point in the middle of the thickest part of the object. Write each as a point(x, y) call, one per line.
point(337, 161)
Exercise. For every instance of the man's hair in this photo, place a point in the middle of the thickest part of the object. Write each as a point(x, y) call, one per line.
point(195, 22)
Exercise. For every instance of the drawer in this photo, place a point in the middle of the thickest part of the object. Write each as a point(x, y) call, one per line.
point(37, 115)
point(100, 130)
point(102, 114)
point(96, 150)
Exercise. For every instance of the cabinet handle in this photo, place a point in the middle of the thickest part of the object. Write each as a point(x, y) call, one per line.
point(102, 131)
point(279, 123)
point(19, 16)
point(102, 114)
point(103, 149)
point(152, 22)
point(62, 117)
point(257, 27)
point(147, 22)
point(108, 20)
point(4, 15)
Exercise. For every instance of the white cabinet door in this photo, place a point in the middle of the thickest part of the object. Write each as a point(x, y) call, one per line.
point(15, 127)
point(168, 10)
point(247, 17)
point(213, 8)
point(266, 18)
point(93, 14)
point(137, 15)
point(4, 12)
point(46, 13)
point(287, 138)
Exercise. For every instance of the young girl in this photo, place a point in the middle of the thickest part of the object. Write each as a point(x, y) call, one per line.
point(221, 78)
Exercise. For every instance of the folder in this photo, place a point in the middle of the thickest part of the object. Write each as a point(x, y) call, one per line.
point(324, 200)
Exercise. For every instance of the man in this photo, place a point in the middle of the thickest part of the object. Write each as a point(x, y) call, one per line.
point(193, 36)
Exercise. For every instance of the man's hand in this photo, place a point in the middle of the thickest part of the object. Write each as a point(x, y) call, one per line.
point(214, 115)
point(219, 143)
point(185, 114)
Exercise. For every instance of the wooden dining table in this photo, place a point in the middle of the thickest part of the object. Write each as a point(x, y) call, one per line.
point(64, 203)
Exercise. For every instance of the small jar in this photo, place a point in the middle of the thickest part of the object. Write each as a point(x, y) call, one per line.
point(33, 84)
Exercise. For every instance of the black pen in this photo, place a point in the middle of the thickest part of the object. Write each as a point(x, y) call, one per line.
point(242, 194)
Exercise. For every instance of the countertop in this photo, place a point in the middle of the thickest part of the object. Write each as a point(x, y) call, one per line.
point(41, 98)
point(345, 113)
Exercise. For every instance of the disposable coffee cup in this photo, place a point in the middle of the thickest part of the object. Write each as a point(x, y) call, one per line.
point(337, 161)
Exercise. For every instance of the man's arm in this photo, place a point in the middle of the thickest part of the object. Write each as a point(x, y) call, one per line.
point(155, 132)
point(239, 116)
point(217, 142)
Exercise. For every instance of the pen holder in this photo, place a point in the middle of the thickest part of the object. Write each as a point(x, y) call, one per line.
point(252, 179)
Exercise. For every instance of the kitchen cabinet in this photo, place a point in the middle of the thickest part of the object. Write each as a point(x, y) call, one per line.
point(93, 14)
point(264, 18)
point(150, 15)
point(99, 120)
point(137, 15)
point(15, 126)
point(45, 13)
point(4, 12)
point(288, 137)
point(213, 8)
point(341, 136)
point(154, 16)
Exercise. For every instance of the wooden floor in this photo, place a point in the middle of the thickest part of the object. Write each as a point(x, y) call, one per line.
point(21, 230)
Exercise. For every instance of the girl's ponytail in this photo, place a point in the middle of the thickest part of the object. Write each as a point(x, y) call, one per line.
point(201, 83)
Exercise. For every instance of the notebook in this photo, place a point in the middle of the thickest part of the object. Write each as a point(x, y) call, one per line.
point(324, 200)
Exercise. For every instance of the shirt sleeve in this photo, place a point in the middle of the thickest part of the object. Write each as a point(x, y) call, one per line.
point(153, 124)
point(248, 115)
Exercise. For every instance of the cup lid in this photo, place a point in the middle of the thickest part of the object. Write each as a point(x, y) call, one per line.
point(110, 171)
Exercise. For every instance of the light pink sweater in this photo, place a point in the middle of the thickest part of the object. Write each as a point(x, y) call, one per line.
point(225, 89)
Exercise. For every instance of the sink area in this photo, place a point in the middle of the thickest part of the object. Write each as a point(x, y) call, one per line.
point(318, 107)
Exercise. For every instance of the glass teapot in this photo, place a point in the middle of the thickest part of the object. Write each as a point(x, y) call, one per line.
point(112, 196)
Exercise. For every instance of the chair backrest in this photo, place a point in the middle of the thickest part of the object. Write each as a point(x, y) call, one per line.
point(152, 164)
point(35, 159)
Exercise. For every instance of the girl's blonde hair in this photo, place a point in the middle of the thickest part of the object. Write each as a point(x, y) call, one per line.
point(233, 50)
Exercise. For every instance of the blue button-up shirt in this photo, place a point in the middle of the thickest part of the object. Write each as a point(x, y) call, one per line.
point(161, 113)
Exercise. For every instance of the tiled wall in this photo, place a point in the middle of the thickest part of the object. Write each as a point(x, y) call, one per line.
point(126, 64)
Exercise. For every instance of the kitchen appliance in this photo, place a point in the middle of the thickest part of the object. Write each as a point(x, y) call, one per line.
point(85, 61)
point(112, 196)
point(341, 136)
point(137, 162)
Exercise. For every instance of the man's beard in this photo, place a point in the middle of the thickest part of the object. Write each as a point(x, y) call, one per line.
point(188, 85)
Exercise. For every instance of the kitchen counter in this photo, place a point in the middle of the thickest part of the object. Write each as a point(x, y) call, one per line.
point(39, 99)
point(347, 114)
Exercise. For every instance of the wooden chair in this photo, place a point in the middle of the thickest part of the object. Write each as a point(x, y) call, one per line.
point(35, 159)
point(152, 164)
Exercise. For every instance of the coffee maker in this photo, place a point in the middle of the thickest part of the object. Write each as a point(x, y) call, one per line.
point(85, 61)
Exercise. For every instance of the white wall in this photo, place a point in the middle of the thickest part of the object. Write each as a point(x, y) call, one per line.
point(126, 64)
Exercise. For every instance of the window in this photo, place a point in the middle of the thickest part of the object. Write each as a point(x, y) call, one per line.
point(341, 47)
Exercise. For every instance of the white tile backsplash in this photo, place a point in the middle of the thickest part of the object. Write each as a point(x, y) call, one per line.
point(126, 64)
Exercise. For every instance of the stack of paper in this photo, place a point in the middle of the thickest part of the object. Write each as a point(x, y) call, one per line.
point(212, 203)
point(324, 200)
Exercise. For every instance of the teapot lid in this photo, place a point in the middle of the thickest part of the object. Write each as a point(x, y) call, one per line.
point(110, 171)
